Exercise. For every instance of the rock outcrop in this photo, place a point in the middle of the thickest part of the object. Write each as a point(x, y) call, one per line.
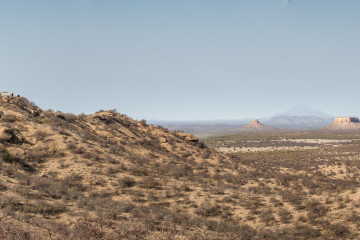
point(345, 123)
point(255, 125)
point(8, 136)
point(189, 137)
point(347, 120)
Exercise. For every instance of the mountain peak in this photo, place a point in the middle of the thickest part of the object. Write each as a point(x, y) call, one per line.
point(301, 110)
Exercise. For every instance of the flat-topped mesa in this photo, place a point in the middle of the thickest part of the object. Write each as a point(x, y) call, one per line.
point(345, 123)
point(346, 120)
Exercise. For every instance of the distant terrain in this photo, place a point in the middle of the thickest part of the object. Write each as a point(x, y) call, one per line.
point(297, 118)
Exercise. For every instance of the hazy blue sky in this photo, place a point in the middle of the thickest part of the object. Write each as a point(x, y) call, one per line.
point(183, 59)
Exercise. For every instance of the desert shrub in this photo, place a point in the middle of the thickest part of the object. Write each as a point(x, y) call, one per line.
point(208, 209)
point(354, 217)
point(74, 181)
point(127, 182)
point(86, 229)
point(2, 186)
point(285, 215)
point(10, 230)
point(91, 155)
point(9, 118)
point(44, 208)
point(78, 150)
point(339, 230)
point(112, 171)
point(105, 207)
point(40, 152)
point(16, 162)
point(117, 149)
point(275, 202)
point(292, 197)
point(138, 170)
point(71, 118)
point(41, 135)
point(267, 217)
point(6, 156)
point(315, 209)
point(47, 187)
point(150, 182)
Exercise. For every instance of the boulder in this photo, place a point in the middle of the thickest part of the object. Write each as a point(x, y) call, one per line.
point(189, 137)
point(8, 136)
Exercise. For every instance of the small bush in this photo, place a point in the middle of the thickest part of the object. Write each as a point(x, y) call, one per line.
point(127, 182)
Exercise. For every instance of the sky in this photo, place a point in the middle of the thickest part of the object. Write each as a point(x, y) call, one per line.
point(183, 59)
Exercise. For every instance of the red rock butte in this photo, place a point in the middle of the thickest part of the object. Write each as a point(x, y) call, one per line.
point(254, 123)
point(346, 120)
point(256, 126)
point(345, 123)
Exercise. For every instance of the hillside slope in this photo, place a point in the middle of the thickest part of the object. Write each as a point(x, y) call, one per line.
point(107, 176)
point(80, 176)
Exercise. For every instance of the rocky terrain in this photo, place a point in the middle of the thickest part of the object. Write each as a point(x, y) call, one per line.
point(345, 123)
point(107, 176)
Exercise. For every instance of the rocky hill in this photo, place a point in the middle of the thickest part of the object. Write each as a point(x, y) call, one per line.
point(345, 123)
point(74, 177)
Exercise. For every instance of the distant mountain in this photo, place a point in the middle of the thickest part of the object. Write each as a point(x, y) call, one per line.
point(299, 122)
point(297, 118)
point(301, 111)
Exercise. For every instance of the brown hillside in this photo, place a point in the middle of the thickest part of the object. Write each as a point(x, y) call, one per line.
point(107, 176)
